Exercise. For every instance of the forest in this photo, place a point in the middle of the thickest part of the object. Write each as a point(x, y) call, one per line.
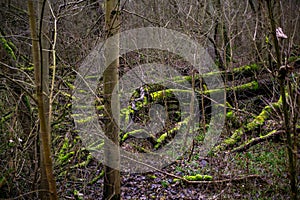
point(160, 99)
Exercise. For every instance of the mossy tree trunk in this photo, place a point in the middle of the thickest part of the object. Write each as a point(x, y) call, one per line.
point(112, 183)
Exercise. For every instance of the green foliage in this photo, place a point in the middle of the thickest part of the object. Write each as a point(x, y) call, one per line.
point(200, 137)
point(78, 195)
point(164, 183)
point(264, 161)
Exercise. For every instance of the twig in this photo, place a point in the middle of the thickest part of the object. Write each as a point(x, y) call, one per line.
point(138, 15)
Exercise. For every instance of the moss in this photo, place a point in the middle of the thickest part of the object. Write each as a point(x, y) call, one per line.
point(125, 113)
point(84, 163)
point(101, 175)
point(96, 146)
point(100, 107)
point(230, 141)
point(251, 85)
point(176, 180)
point(229, 114)
point(236, 136)
point(162, 137)
point(8, 47)
point(261, 137)
point(261, 118)
point(82, 91)
point(70, 85)
point(64, 155)
point(198, 177)
point(63, 159)
point(152, 176)
point(161, 94)
point(29, 68)
point(252, 67)
point(207, 177)
point(87, 119)
point(67, 95)
point(6, 117)
point(132, 133)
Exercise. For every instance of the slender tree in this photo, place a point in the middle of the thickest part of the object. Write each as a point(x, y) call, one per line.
point(286, 115)
point(41, 89)
point(112, 156)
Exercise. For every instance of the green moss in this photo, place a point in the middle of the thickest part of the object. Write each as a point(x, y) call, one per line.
point(230, 141)
point(101, 107)
point(207, 177)
point(251, 85)
point(64, 155)
point(125, 114)
point(236, 136)
point(101, 175)
point(162, 137)
point(261, 118)
point(67, 95)
point(84, 163)
point(152, 176)
point(8, 47)
point(82, 91)
point(63, 159)
point(98, 145)
point(176, 180)
point(29, 68)
point(229, 114)
point(132, 133)
point(84, 120)
point(70, 85)
point(198, 177)
point(6, 117)
point(252, 67)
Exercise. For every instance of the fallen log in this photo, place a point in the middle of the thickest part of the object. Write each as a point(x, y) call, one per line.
point(257, 140)
point(255, 123)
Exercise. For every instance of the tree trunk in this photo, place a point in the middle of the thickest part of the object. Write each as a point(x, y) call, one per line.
point(44, 60)
point(41, 82)
point(111, 188)
point(286, 114)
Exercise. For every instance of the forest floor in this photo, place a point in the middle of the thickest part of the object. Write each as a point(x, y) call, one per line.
point(258, 173)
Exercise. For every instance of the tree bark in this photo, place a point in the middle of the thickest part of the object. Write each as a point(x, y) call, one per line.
point(281, 79)
point(112, 183)
point(40, 82)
